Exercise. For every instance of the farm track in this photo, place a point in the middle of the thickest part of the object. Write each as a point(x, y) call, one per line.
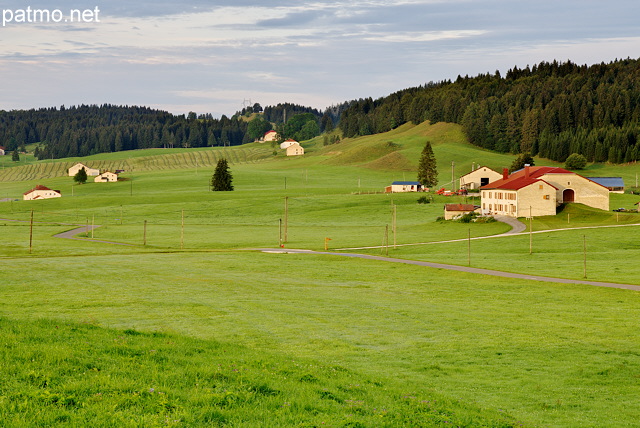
point(489, 272)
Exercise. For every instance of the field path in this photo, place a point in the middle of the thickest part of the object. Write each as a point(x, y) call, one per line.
point(460, 268)
point(71, 234)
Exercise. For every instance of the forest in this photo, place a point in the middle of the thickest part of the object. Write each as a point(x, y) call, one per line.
point(550, 110)
point(89, 129)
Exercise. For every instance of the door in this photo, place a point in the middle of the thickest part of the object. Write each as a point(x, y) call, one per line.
point(568, 196)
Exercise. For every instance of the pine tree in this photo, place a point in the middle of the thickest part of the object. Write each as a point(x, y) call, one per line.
point(15, 156)
point(427, 171)
point(222, 178)
point(81, 176)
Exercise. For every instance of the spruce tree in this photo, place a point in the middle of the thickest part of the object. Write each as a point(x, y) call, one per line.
point(427, 171)
point(81, 176)
point(15, 156)
point(222, 178)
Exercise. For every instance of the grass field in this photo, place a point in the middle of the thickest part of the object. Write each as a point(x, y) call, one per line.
point(197, 328)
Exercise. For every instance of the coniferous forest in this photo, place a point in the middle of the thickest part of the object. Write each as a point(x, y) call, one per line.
point(551, 110)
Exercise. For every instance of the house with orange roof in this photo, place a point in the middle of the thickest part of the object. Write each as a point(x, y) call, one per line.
point(539, 191)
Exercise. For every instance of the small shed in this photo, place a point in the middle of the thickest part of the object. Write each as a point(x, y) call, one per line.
point(452, 211)
point(479, 177)
point(295, 150)
point(41, 192)
point(106, 177)
point(614, 184)
point(403, 187)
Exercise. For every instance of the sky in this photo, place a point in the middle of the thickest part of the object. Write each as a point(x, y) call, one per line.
point(217, 56)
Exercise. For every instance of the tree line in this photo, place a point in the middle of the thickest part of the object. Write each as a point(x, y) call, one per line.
point(551, 110)
point(89, 129)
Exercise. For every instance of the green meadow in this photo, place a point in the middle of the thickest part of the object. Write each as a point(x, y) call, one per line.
point(176, 318)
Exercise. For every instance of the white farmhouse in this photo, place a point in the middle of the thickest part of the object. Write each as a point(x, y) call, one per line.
point(287, 143)
point(91, 172)
point(538, 191)
point(106, 177)
point(41, 192)
point(295, 150)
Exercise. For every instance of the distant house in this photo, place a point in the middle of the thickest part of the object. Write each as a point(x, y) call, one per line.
point(106, 177)
point(288, 143)
point(538, 191)
point(452, 211)
point(404, 186)
point(41, 192)
point(295, 150)
point(479, 177)
point(2, 151)
point(270, 136)
point(614, 184)
point(91, 172)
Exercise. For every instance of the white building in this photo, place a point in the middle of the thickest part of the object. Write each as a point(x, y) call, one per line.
point(106, 177)
point(41, 192)
point(91, 172)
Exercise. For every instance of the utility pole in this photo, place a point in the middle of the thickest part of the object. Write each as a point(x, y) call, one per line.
point(394, 225)
point(182, 232)
point(280, 238)
point(530, 232)
point(584, 245)
point(453, 179)
point(144, 234)
point(31, 233)
point(469, 249)
point(286, 218)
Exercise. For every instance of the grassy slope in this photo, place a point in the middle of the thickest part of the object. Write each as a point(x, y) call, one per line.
point(390, 324)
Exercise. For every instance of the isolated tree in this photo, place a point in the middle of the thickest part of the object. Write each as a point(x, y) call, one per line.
point(81, 176)
point(522, 160)
point(575, 161)
point(222, 178)
point(15, 156)
point(427, 171)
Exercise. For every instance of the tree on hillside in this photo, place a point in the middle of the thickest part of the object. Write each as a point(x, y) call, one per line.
point(222, 178)
point(522, 160)
point(427, 171)
point(575, 161)
point(15, 156)
point(81, 176)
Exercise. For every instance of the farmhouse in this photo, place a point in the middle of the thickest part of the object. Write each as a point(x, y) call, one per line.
point(41, 192)
point(91, 172)
point(452, 211)
point(106, 177)
point(2, 151)
point(538, 191)
point(287, 143)
point(478, 178)
point(270, 136)
point(295, 150)
point(404, 186)
point(614, 184)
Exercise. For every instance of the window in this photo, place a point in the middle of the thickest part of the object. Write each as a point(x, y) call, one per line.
point(541, 187)
point(489, 198)
point(545, 197)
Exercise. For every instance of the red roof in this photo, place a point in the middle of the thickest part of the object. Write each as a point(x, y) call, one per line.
point(459, 207)
point(38, 187)
point(518, 179)
point(269, 132)
point(290, 141)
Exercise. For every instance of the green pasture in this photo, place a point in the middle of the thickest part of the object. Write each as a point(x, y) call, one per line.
point(199, 328)
point(545, 354)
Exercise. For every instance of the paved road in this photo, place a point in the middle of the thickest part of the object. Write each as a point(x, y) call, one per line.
point(516, 225)
point(461, 269)
point(71, 234)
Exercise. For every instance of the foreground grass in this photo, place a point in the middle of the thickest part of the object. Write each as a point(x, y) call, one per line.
point(64, 374)
point(547, 354)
